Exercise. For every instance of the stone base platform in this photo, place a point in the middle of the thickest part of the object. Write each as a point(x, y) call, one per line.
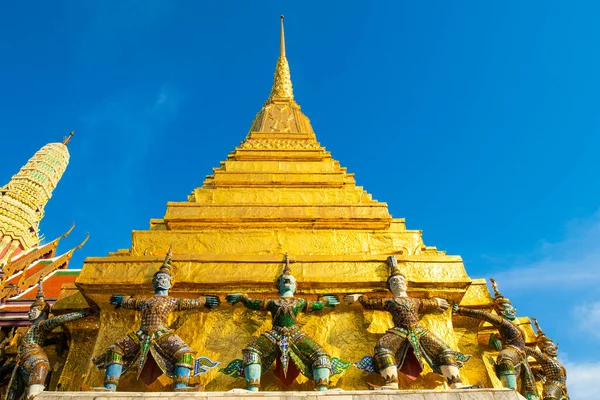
point(472, 394)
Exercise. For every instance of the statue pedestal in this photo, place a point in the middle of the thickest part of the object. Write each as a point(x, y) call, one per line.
point(473, 394)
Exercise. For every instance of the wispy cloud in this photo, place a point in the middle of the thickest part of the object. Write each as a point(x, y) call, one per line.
point(587, 317)
point(582, 380)
point(571, 262)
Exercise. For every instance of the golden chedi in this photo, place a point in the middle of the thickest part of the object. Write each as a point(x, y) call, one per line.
point(278, 192)
point(24, 197)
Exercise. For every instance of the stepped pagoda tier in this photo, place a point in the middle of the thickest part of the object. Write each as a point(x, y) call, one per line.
point(280, 191)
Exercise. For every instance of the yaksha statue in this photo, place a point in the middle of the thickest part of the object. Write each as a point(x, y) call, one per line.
point(154, 347)
point(32, 364)
point(554, 375)
point(295, 351)
point(406, 344)
point(512, 360)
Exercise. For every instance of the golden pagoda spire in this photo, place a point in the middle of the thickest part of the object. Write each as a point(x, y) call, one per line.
point(23, 198)
point(281, 38)
point(280, 114)
point(67, 139)
point(282, 83)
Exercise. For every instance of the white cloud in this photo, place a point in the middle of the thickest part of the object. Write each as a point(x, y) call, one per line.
point(588, 318)
point(583, 380)
point(571, 262)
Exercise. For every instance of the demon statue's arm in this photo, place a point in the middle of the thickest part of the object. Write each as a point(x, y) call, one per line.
point(324, 301)
point(478, 314)
point(54, 322)
point(252, 304)
point(193, 304)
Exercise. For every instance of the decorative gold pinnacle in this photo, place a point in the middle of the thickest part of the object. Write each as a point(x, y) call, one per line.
point(498, 297)
point(287, 270)
point(282, 83)
point(392, 261)
point(495, 287)
point(540, 335)
point(165, 268)
point(40, 300)
point(67, 139)
point(537, 326)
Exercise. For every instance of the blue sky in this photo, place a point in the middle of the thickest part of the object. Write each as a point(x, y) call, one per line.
point(476, 121)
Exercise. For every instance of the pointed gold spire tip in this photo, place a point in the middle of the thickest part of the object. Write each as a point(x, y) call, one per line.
point(67, 139)
point(282, 38)
point(282, 84)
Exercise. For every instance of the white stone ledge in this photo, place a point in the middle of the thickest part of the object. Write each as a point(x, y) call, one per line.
point(471, 394)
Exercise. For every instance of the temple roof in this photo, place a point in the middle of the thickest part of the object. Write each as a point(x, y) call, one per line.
point(23, 271)
point(14, 311)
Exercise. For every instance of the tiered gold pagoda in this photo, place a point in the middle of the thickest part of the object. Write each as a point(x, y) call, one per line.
point(278, 192)
point(23, 199)
point(23, 259)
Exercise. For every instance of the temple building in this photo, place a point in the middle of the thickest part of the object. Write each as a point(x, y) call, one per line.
point(23, 256)
point(280, 191)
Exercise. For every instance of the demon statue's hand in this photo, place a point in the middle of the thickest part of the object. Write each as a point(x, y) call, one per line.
point(95, 310)
point(116, 299)
point(352, 298)
point(233, 298)
point(442, 303)
point(212, 301)
point(330, 300)
point(494, 342)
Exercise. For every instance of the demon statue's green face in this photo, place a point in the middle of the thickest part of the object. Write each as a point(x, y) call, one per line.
point(507, 310)
point(287, 285)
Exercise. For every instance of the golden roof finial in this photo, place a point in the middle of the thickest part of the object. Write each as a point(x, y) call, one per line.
point(80, 245)
point(64, 235)
point(67, 139)
point(282, 84)
point(281, 38)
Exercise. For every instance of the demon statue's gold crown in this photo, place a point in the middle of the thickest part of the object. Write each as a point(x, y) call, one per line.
point(499, 300)
point(40, 301)
point(165, 268)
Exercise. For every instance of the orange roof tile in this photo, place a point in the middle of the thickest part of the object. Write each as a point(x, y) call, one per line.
point(32, 269)
point(52, 284)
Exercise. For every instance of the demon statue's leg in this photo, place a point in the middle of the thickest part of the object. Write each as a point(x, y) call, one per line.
point(182, 377)
point(452, 376)
point(111, 378)
point(34, 390)
point(321, 376)
point(385, 360)
point(252, 373)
